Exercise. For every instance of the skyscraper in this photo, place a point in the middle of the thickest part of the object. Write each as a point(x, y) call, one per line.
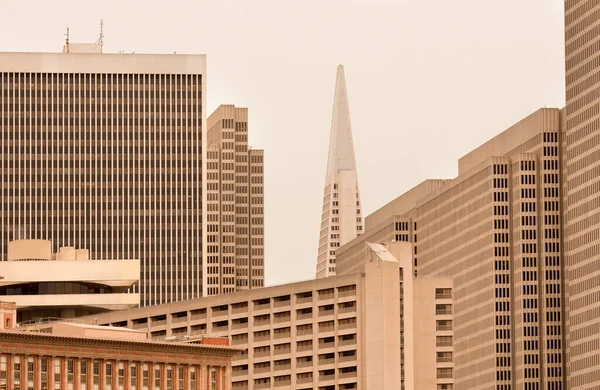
point(582, 189)
point(341, 219)
point(235, 209)
point(104, 151)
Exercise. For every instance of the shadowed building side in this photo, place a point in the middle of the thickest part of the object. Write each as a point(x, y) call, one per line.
point(582, 190)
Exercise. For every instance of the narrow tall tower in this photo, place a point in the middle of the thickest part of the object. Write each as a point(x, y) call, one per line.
point(341, 219)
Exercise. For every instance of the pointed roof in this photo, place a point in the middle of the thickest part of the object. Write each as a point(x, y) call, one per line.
point(341, 146)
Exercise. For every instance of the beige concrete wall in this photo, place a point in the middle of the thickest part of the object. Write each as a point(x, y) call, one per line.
point(426, 330)
point(382, 323)
point(102, 63)
point(402, 204)
point(116, 273)
point(243, 315)
point(509, 139)
point(29, 250)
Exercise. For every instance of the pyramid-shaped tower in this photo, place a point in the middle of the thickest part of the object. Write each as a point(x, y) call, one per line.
point(341, 218)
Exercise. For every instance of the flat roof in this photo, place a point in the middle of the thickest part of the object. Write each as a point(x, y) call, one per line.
point(150, 345)
point(103, 63)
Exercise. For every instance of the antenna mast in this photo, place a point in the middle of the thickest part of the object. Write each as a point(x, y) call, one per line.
point(67, 40)
point(100, 40)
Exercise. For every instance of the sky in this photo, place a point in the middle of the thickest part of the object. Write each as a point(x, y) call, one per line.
point(428, 81)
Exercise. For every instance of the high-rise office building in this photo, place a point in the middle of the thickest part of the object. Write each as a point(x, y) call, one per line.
point(341, 218)
point(495, 230)
point(582, 190)
point(235, 206)
point(104, 151)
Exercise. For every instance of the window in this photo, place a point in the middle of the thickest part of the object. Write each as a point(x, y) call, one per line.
point(213, 379)
point(30, 374)
point(3, 372)
point(57, 367)
point(83, 374)
point(17, 372)
point(192, 371)
point(96, 374)
point(133, 376)
point(443, 293)
point(108, 376)
point(70, 373)
point(169, 378)
point(157, 377)
point(181, 377)
point(121, 376)
point(146, 377)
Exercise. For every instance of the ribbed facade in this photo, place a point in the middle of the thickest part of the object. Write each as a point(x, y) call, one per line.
point(582, 229)
point(235, 205)
point(104, 151)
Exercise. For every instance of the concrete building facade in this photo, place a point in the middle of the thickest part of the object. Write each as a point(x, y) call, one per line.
point(104, 151)
point(582, 190)
point(234, 205)
point(341, 217)
point(68, 358)
point(351, 331)
point(65, 284)
point(495, 230)
point(393, 222)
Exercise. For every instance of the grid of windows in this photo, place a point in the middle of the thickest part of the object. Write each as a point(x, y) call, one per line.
point(235, 205)
point(108, 162)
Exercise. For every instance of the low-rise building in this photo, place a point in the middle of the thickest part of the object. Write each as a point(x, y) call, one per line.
point(350, 331)
point(64, 284)
point(63, 356)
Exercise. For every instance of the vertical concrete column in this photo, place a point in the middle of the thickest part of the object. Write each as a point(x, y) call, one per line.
point(205, 374)
point(63, 373)
point(176, 377)
point(127, 374)
point(382, 330)
point(37, 372)
point(150, 375)
point(9, 371)
point(227, 377)
point(24, 365)
point(76, 373)
point(90, 374)
point(102, 374)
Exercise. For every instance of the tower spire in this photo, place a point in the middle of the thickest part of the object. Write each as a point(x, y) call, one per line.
point(341, 219)
point(341, 144)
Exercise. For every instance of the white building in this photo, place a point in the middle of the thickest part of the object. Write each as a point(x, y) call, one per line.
point(65, 284)
point(341, 219)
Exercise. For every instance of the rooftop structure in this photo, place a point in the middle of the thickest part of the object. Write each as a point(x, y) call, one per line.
point(65, 284)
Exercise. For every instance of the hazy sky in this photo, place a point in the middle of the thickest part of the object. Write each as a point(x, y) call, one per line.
point(427, 82)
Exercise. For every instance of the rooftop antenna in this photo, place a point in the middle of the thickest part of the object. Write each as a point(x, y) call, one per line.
point(67, 40)
point(100, 40)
